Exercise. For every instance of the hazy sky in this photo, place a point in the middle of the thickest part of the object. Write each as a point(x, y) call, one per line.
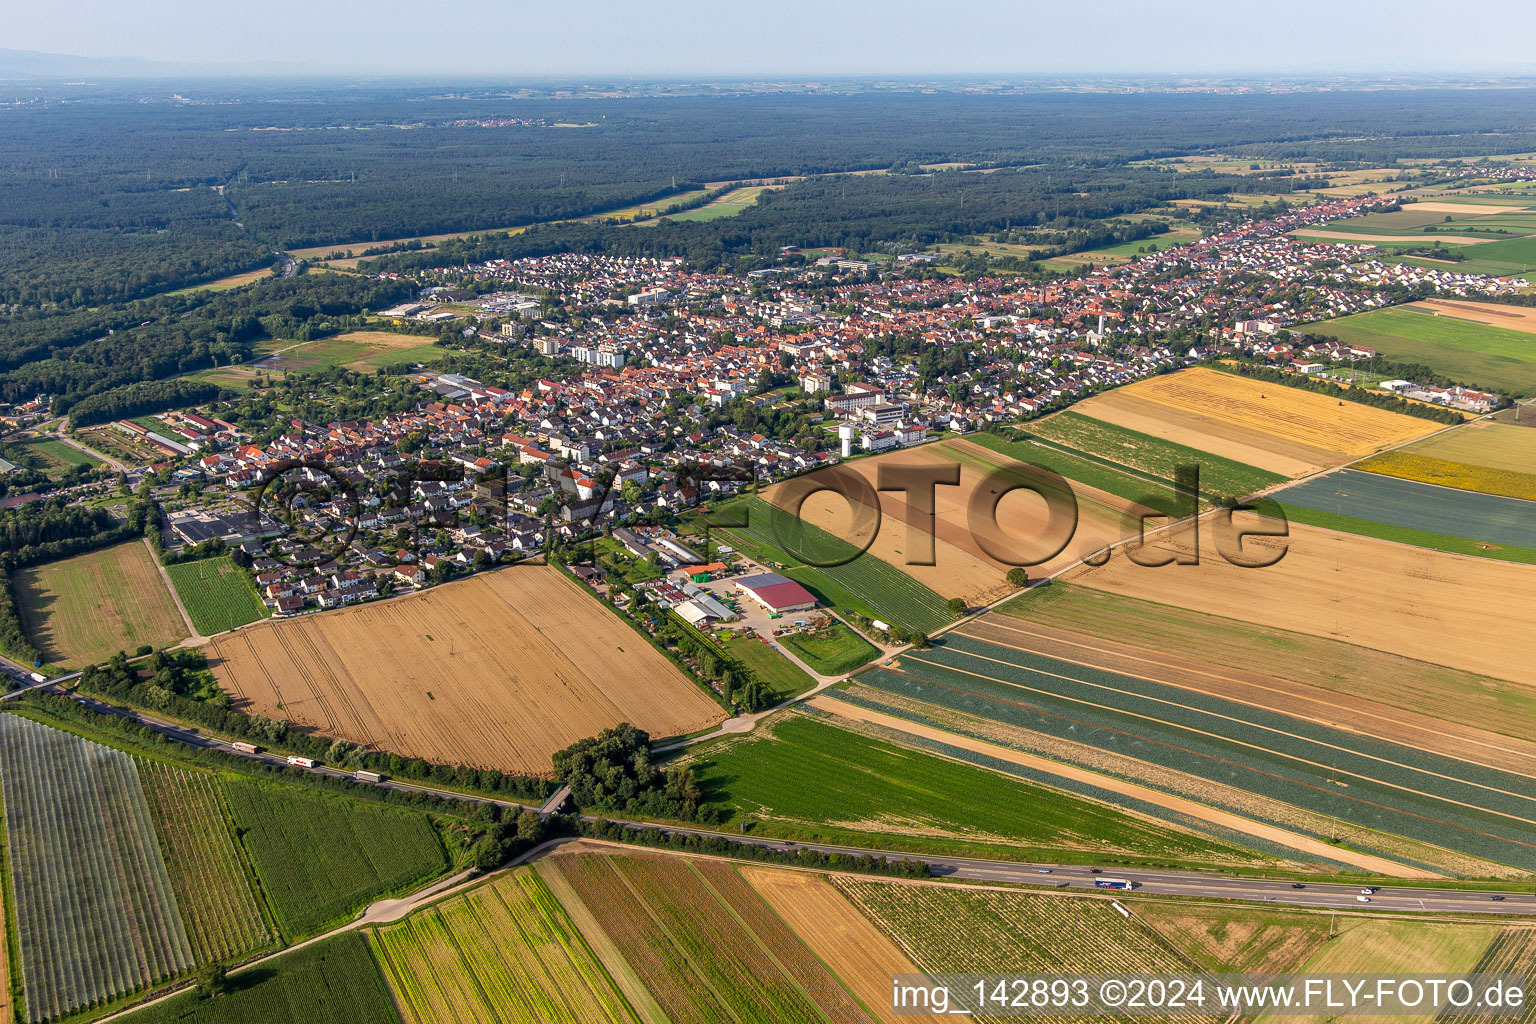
point(793, 37)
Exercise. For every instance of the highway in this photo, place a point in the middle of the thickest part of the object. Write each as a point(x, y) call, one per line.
point(1310, 894)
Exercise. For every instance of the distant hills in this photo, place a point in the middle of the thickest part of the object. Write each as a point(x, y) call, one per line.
point(30, 64)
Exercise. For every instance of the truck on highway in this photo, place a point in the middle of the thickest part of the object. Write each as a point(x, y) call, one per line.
point(302, 762)
point(1114, 883)
point(246, 748)
point(362, 776)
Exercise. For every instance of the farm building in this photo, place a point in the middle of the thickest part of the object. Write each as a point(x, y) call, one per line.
point(776, 593)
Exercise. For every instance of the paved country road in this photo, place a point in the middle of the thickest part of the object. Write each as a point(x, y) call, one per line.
point(1311, 894)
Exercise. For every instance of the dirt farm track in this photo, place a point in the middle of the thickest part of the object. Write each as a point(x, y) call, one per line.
point(497, 671)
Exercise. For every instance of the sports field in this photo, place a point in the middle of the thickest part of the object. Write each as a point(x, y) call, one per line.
point(84, 609)
point(497, 671)
point(859, 787)
point(216, 594)
point(1496, 358)
point(1487, 519)
point(1454, 800)
point(1428, 605)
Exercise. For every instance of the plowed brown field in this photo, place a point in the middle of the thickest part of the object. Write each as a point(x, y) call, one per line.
point(497, 671)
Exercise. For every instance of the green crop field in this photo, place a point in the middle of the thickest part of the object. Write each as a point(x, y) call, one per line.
point(1496, 358)
point(865, 584)
point(1445, 693)
point(832, 650)
point(331, 982)
point(53, 456)
point(216, 594)
point(1152, 455)
point(1450, 543)
point(320, 857)
point(84, 609)
point(506, 951)
point(95, 914)
point(210, 880)
point(700, 961)
point(1122, 483)
point(849, 786)
point(947, 929)
point(1489, 520)
point(778, 673)
point(1427, 797)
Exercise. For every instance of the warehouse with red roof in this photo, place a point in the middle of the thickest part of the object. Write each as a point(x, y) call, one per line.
point(776, 593)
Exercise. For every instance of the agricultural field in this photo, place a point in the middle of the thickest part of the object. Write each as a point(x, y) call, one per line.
point(704, 948)
point(1512, 951)
point(1475, 806)
point(1428, 605)
point(95, 912)
point(1495, 358)
point(84, 609)
point(330, 982)
point(1268, 426)
point(1233, 939)
point(496, 671)
point(1489, 520)
point(47, 454)
point(945, 929)
point(963, 553)
point(861, 956)
point(1109, 630)
point(212, 888)
point(1391, 945)
point(862, 788)
point(868, 584)
point(1486, 456)
point(1151, 455)
point(1494, 314)
point(778, 673)
point(1233, 817)
point(503, 952)
point(1082, 470)
point(320, 857)
point(831, 650)
point(216, 594)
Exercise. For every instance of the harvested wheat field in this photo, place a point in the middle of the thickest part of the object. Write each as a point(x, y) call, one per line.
point(1516, 318)
point(843, 938)
point(1278, 428)
point(1429, 605)
point(962, 566)
point(497, 671)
